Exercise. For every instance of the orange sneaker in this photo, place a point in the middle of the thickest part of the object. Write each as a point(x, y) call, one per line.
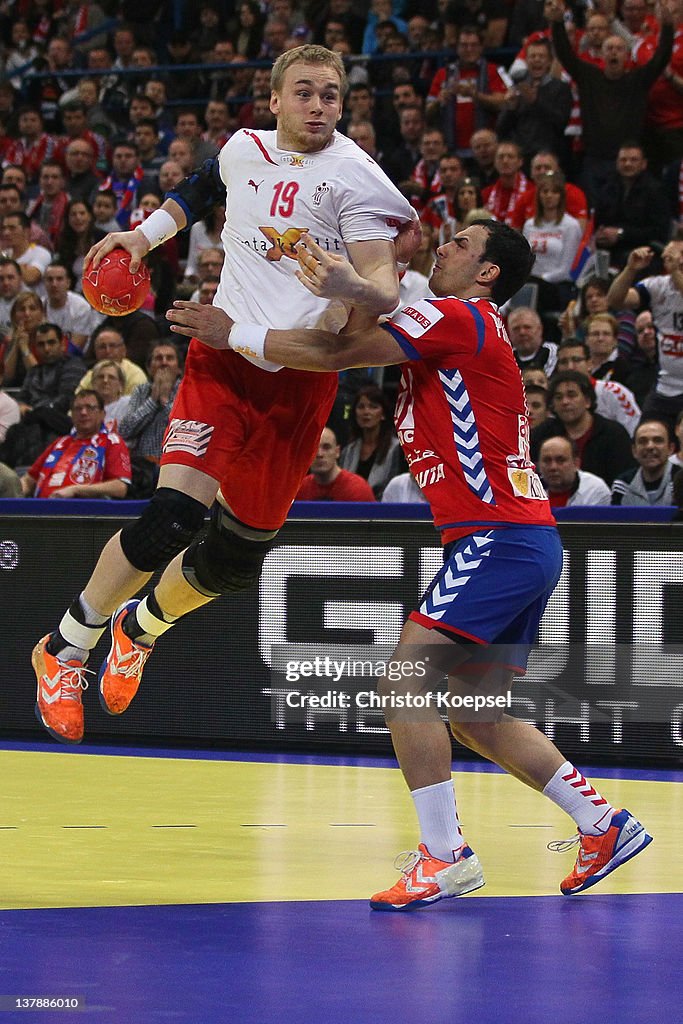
point(121, 671)
point(599, 855)
point(58, 702)
point(427, 879)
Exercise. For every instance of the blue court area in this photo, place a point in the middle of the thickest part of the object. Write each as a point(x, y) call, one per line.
point(497, 960)
point(204, 888)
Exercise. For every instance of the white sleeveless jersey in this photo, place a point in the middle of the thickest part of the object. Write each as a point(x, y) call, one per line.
point(339, 194)
point(666, 304)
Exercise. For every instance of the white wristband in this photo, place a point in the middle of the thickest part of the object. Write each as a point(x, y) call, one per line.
point(248, 340)
point(158, 228)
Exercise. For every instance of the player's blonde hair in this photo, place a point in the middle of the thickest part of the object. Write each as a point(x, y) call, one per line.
point(307, 54)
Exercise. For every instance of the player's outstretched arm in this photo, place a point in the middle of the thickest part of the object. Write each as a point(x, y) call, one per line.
point(299, 349)
point(196, 320)
point(185, 203)
point(137, 242)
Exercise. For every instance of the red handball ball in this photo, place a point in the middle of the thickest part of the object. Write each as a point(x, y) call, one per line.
point(112, 289)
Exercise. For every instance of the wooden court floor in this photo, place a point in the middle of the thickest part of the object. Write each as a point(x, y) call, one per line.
point(201, 888)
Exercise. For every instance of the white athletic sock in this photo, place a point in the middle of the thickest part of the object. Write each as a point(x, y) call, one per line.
point(438, 818)
point(575, 795)
point(78, 633)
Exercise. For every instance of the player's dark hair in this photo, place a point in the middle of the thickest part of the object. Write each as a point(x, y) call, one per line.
point(511, 253)
point(581, 380)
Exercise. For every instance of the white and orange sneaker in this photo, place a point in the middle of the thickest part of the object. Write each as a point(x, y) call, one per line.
point(600, 855)
point(121, 671)
point(59, 706)
point(426, 879)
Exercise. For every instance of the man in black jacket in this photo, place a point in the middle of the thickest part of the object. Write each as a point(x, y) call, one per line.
point(631, 209)
point(537, 107)
point(613, 100)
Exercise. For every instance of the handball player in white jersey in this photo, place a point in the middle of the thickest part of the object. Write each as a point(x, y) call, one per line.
point(243, 430)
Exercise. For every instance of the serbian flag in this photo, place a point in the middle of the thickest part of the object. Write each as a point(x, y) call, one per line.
point(584, 251)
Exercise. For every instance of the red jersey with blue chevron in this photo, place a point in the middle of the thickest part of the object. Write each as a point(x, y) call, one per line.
point(461, 417)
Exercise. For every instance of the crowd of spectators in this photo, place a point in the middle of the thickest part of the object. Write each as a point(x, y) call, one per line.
point(564, 119)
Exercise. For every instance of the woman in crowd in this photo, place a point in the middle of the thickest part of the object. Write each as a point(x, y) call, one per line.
point(593, 299)
point(467, 198)
point(78, 235)
point(109, 381)
point(554, 235)
point(249, 30)
point(25, 315)
point(374, 452)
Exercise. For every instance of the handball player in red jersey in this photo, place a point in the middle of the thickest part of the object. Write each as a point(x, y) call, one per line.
point(462, 420)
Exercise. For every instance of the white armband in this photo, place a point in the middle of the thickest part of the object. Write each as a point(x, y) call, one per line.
point(158, 228)
point(248, 340)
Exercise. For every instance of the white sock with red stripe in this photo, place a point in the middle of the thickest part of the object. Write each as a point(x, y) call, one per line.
point(438, 817)
point(574, 794)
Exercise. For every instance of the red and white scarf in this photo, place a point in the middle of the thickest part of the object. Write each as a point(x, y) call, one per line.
point(501, 201)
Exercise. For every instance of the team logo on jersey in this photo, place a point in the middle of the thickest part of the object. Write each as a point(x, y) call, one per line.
point(283, 243)
point(321, 191)
point(416, 320)
point(296, 160)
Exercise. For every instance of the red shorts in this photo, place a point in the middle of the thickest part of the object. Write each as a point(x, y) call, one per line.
point(254, 432)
